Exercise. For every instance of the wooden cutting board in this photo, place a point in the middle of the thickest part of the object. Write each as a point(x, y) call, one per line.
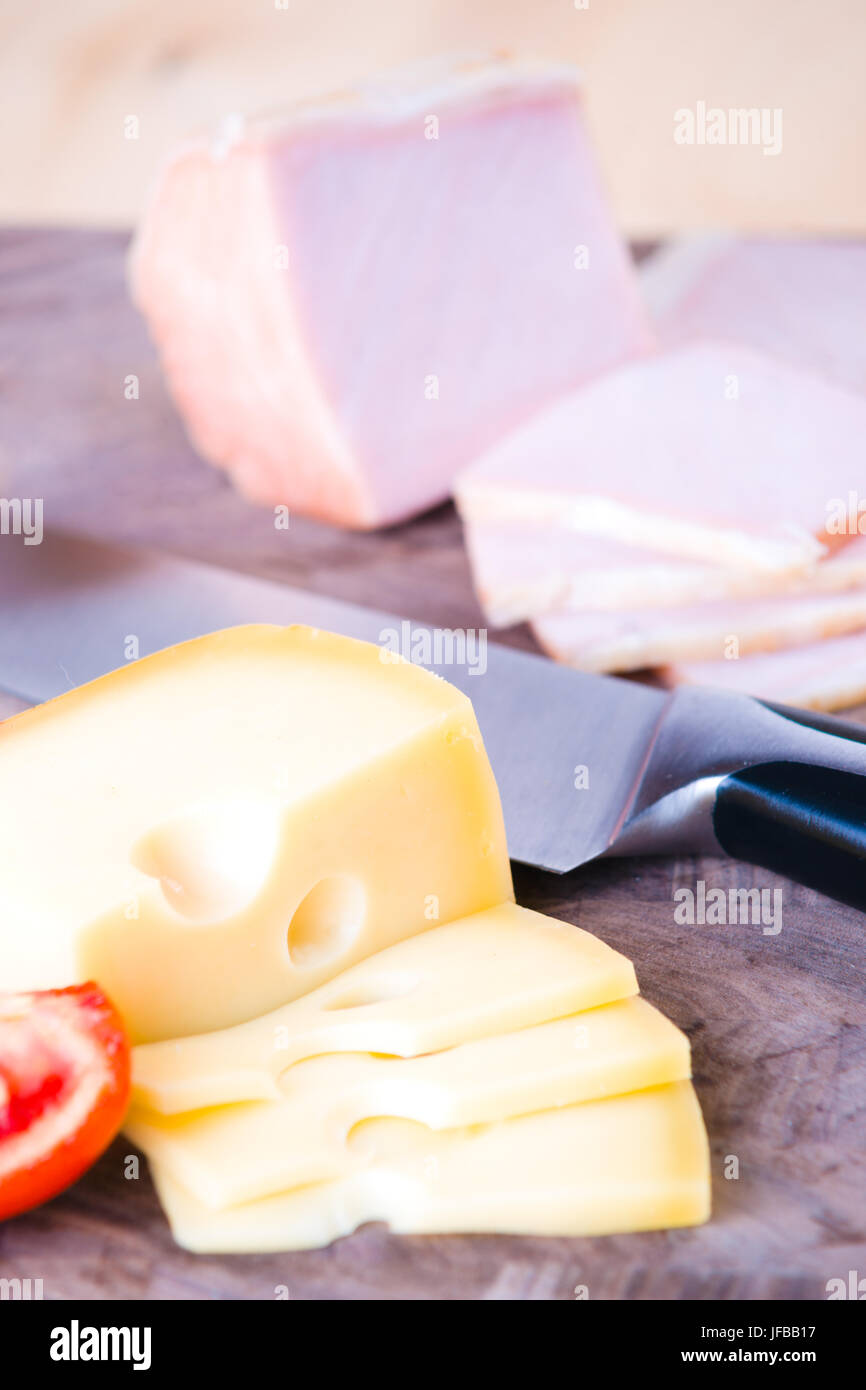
point(777, 1023)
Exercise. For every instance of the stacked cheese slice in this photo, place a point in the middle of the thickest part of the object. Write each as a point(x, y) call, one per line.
point(498, 1073)
point(282, 853)
point(698, 511)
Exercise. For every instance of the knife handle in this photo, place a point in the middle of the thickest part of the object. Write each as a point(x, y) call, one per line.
point(799, 819)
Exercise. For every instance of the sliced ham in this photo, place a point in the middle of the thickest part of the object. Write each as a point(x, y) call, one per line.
point(356, 298)
point(696, 632)
point(822, 675)
point(710, 451)
point(803, 302)
point(522, 571)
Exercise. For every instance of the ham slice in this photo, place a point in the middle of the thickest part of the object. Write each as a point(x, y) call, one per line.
point(522, 571)
point(803, 302)
point(710, 451)
point(822, 675)
point(696, 632)
point(356, 298)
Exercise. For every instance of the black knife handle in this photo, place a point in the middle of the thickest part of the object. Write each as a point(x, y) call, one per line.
point(799, 819)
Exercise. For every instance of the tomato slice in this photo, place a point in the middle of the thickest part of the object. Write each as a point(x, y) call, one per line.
point(64, 1089)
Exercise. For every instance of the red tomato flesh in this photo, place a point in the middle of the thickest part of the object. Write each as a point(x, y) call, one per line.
point(64, 1089)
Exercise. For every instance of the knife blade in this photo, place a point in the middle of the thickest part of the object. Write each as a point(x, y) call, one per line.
point(67, 606)
point(587, 765)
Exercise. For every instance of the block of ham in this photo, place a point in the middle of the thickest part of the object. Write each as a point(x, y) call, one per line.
point(801, 301)
point(628, 641)
point(821, 675)
point(354, 299)
point(522, 571)
point(710, 451)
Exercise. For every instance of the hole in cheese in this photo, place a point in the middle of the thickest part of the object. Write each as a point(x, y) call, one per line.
point(327, 921)
point(376, 991)
point(380, 1135)
point(211, 861)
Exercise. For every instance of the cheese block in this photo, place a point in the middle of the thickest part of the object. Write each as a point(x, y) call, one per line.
point(237, 1153)
point(629, 1163)
point(499, 970)
point(801, 301)
point(521, 571)
point(225, 825)
point(354, 298)
point(657, 636)
point(706, 451)
point(825, 675)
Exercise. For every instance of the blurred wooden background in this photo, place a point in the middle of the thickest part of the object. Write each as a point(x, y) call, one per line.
point(70, 75)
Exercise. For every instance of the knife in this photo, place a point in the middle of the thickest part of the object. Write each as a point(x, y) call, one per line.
point(586, 765)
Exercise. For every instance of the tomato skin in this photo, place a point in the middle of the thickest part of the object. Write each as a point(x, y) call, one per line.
point(61, 1046)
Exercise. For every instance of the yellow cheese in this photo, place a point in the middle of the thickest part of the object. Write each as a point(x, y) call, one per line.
point(225, 825)
point(496, 971)
point(630, 1163)
point(237, 1153)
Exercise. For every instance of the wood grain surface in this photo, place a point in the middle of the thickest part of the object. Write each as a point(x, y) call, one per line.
point(777, 1023)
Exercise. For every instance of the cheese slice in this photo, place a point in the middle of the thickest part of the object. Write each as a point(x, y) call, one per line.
point(630, 1163)
point(237, 1153)
point(225, 825)
point(495, 971)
